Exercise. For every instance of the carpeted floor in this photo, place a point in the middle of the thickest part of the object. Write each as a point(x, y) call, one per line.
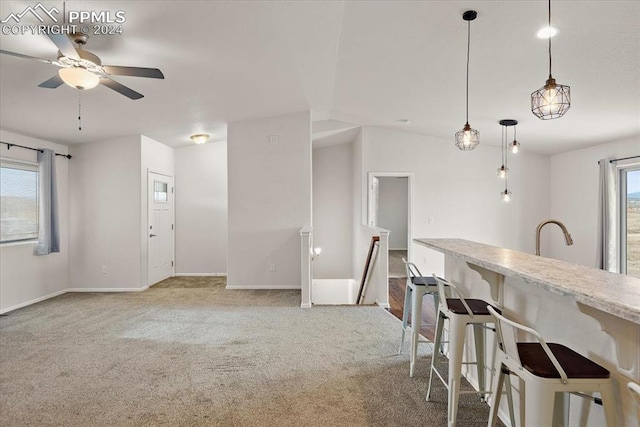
point(179, 355)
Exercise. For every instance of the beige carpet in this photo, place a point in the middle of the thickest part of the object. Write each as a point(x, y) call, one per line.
point(206, 356)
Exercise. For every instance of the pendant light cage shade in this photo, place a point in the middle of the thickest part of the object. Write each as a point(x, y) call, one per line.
point(467, 139)
point(551, 101)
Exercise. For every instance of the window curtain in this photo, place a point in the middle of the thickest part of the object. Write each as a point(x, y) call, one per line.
point(607, 218)
point(48, 230)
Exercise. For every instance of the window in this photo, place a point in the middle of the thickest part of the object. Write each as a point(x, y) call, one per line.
point(160, 191)
point(18, 201)
point(630, 220)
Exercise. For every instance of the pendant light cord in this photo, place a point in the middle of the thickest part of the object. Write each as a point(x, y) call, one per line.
point(506, 153)
point(503, 146)
point(549, 39)
point(468, 48)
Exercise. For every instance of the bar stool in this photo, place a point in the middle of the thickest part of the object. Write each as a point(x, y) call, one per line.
point(545, 368)
point(460, 312)
point(417, 287)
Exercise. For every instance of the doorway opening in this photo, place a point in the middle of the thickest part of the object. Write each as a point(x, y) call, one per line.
point(389, 207)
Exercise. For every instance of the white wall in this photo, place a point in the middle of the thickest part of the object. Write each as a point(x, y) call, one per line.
point(333, 210)
point(159, 158)
point(393, 212)
point(269, 200)
point(105, 207)
point(574, 199)
point(361, 239)
point(460, 191)
point(24, 277)
point(201, 209)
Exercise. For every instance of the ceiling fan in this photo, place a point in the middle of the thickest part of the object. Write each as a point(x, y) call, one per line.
point(82, 69)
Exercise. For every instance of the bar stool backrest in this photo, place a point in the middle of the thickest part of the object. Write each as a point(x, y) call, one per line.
point(508, 340)
point(412, 269)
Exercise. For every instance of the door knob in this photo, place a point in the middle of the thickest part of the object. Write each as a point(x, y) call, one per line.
point(152, 235)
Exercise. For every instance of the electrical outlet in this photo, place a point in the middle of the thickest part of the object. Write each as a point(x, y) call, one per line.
point(272, 267)
point(273, 139)
point(104, 269)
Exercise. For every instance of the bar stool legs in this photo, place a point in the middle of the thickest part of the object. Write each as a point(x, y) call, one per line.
point(413, 299)
point(417, 286)
point(408, 295)
point(460, 312)
point(457, 329)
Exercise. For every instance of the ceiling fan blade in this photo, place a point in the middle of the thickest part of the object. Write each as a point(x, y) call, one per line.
point(65, 45)
point(19, 55)
point(120, 88)
point(116, 70)
point(52, 83)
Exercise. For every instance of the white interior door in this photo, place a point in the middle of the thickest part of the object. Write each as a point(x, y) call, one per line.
point(160, 227)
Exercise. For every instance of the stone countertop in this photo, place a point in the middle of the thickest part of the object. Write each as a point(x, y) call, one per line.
point(611, 293)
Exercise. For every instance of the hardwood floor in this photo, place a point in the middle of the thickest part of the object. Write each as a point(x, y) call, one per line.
point(397, 288)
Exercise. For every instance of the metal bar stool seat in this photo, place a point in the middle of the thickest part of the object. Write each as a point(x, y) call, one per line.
point(417, 287)
point(545, 368)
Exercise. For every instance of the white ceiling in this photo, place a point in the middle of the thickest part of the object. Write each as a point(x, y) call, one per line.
point(367, 63)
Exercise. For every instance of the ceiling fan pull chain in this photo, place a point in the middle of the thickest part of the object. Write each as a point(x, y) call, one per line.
point(79, 110)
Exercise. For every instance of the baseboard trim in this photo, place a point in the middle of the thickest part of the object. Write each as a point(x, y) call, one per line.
point(200, 274)
point(297, 288)
point(33, 301)
point(144, 288)
point(398, 249)
point(305, 305)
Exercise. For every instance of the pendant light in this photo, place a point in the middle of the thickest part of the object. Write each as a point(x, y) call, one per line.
point(468, 138)
point(552, 100)
point(503, 171)
point(515, 145)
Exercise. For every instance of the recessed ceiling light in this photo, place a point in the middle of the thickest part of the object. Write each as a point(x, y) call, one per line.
point(547, 32)
point(405, 121)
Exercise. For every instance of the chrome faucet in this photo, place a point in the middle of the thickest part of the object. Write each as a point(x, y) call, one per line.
point(567, 236)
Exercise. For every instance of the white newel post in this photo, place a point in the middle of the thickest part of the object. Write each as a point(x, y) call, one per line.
point(306, 270)
point(383, 269)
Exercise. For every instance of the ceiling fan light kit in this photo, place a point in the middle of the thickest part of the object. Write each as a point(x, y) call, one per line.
point(83, 70)
point(79, 78)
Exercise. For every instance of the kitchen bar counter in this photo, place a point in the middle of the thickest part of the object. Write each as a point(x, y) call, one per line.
point(594, 312)
point(612, 293)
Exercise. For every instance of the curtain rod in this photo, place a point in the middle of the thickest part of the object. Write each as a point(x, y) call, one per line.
point(9, 145)
point(623, 158)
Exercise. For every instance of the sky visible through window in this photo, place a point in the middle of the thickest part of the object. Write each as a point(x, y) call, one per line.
point(633, 183)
